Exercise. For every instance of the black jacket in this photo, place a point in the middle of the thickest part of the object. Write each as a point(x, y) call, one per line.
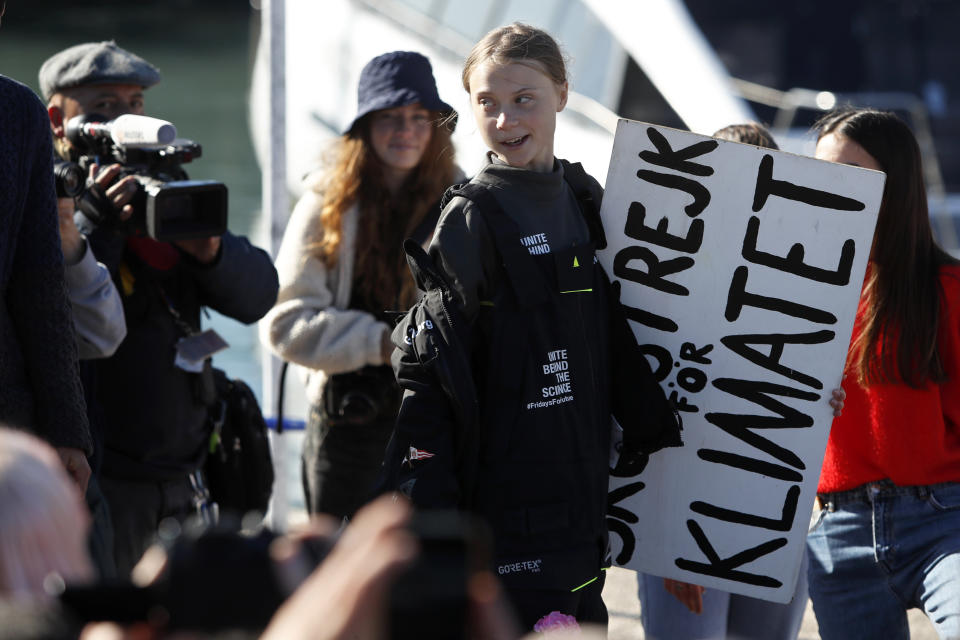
point(39, 381)
point(507, 413)
point(154, 413)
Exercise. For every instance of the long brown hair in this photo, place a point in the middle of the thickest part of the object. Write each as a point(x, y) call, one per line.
point(355, 176)
point(900, 305)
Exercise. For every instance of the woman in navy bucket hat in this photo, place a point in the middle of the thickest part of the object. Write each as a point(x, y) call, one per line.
point(341, 266)
point(397, 79)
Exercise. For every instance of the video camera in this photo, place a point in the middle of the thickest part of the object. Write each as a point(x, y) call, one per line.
point(168, 206)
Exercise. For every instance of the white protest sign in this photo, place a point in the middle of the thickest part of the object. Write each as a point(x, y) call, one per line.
point(740, 269)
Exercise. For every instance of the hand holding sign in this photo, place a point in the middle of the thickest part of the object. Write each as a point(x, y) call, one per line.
point(690, 595)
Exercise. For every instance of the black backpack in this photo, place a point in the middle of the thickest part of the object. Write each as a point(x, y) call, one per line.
point(239, 466)
point(442, 348)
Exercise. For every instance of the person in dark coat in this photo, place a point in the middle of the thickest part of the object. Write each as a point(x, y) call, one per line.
point(39, 382)
point(154, 391)
point(519, 358)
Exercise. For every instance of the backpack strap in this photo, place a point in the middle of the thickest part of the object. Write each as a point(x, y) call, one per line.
point(582, 188)
point(449, 194)
point(424, 272)
point(424, 230)
point(523, 273)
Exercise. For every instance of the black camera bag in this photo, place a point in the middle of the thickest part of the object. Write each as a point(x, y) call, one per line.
point(239, 467)
point(362, 396)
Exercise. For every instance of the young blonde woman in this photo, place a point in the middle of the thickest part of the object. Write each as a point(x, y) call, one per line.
point(511, 378)
point(341, 266)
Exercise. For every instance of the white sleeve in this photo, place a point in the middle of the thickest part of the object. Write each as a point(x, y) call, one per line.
point(307, 326)
point(97, 308)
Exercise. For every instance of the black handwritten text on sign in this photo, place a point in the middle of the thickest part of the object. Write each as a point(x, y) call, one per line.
point(740, 269)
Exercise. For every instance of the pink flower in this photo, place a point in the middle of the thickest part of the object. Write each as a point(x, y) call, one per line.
point(557, 622)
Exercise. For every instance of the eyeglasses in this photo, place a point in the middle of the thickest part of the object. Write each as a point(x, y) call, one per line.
point(398, 121)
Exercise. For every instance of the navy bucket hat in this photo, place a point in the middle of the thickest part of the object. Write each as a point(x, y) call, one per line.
point(397, 79)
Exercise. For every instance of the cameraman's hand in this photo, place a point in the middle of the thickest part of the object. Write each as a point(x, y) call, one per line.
point(203, 250)
point(119, 194)
point(346, 596)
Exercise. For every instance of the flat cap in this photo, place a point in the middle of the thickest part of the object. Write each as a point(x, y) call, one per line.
point(95, 63)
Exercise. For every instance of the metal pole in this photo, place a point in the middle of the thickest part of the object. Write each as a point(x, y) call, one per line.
point(276, 207)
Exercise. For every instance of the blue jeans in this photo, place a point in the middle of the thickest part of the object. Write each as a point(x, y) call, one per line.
point(725, 615)
point(879, 550)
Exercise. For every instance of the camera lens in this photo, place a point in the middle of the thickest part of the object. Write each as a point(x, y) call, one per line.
point(358, 407)
point(69, 179)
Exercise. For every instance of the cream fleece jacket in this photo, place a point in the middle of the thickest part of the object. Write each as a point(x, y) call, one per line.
point(310, 324)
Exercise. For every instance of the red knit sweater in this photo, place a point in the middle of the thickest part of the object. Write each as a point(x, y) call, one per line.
point(911, 436)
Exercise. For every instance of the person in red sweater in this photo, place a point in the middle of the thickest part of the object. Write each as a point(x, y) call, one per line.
point(887, 537)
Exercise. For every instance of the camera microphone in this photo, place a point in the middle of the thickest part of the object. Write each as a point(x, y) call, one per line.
point(131, 130)
point(128, 130)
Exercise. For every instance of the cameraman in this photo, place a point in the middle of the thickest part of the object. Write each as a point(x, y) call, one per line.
point(154, 400)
